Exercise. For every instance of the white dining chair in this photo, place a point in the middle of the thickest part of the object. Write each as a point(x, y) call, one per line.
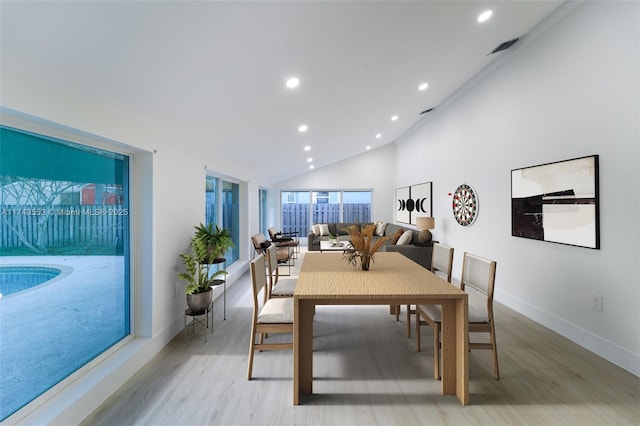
point(441, 265)
point(274, 316)
point(478, 280)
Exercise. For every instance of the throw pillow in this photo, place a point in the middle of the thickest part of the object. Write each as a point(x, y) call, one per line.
point(405, 238)
point(380, 228)
point(396, 236)
point(324, 229)
point(316, 230)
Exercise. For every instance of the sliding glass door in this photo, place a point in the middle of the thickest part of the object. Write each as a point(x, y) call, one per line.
point(300, 209)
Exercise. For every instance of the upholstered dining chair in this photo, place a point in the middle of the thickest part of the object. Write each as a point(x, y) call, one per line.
point(284, 254)
point(274, 316)
point(289, 239)
point(278, 287)
point(478, 280)
point(441, 265)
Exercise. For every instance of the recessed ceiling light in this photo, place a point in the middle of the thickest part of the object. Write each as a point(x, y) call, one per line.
point(484, 16)
point(378, 136)
point(293, 82)
point(368, 147)
point(309, 160)
point(303, 128)
point(394, 118)
point(311, 166)
point(423, 86)
point(307, 148)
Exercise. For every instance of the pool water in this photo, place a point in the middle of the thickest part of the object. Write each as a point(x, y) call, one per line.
point(14, 279)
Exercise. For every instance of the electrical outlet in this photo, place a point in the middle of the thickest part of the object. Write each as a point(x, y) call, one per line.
point(596, 302)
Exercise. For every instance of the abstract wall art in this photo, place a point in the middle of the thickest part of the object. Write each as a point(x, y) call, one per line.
point(557, 202)
point(413, 201)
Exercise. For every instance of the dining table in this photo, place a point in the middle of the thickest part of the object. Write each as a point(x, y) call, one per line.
point(393, 279)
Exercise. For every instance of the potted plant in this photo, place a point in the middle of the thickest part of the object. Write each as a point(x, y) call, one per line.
point(198, 289)
point(362, 246)
point(215, 239)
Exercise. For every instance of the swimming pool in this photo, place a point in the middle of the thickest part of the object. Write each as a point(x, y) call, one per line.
point(14, 279)
point(50, 331)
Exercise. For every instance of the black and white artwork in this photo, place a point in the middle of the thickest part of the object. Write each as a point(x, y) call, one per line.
point(557, 202)
point(413, 201)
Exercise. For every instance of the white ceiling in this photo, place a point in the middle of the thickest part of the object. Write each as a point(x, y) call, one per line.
point(214, 72)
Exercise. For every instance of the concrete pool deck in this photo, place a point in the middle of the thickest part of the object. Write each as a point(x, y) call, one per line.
point(49, 331)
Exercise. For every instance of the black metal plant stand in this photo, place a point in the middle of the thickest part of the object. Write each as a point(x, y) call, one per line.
point(221, 262)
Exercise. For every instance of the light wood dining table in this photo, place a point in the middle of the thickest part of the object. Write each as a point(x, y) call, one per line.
point(327, 279)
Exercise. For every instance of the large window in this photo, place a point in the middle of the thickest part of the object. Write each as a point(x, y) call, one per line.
point(300, 209)
point(222, 207)
point(325, 206)
point(231, 217)
point(211, 200)
point(356, 206)
point(64, 260)
point(296, 210)
point(263, 203)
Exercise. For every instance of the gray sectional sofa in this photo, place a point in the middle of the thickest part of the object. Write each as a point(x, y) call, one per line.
point(420, 254)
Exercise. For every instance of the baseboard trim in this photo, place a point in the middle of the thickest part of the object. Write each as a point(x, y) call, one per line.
point(608, 350)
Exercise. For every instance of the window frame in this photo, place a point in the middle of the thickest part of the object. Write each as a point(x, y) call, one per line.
point(138, 324)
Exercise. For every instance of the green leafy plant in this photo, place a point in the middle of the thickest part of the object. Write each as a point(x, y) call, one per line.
point(215, 239)
point(197, 271)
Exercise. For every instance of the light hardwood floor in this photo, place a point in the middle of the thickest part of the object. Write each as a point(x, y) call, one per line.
point(367, 372)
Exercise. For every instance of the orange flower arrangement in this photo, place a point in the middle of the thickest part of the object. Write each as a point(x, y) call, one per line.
point(362, 246)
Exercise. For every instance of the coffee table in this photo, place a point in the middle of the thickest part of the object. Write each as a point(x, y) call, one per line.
point(334, 245)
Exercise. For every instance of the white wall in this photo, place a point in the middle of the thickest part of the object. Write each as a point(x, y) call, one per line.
point(168, 198)
point(373, 169)
point(570, 91)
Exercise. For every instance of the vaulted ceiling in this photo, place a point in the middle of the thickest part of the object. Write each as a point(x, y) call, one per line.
point(213, 73)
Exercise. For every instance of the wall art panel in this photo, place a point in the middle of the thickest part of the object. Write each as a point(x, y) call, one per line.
point(413, 201)
point(557, 202)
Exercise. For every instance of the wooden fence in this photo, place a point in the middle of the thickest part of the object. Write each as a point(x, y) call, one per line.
point(103, 226)
point(295, 217)
point(62, 226)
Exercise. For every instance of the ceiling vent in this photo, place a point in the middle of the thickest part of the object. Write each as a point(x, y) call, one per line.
point(426, 111)
point(505, 46)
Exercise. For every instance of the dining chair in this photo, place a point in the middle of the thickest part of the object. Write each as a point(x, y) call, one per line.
point(278, 287)
point(441, 265)
point(284, 254)
point(274, 316)
point(478, 280)
point(282, 239)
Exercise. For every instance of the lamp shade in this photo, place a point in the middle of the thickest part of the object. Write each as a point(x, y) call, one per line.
point(425, 222)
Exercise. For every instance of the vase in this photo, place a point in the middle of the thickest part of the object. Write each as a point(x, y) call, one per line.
point(365, 260)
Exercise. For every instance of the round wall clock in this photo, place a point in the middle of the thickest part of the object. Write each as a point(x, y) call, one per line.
point(465, 205)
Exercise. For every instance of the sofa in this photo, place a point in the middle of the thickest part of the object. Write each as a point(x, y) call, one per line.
point(414, 250)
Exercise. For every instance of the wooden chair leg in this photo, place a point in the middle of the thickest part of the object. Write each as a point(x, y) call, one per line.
point(494, 349)
point(417, 331)
point(436, 352)
point(251, 350)
point(409, 321)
